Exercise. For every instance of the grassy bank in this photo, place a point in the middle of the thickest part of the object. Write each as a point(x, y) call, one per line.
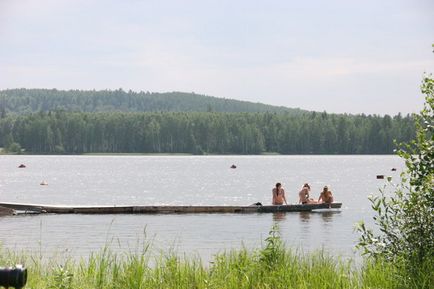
point(272, 266)
point(241, 269)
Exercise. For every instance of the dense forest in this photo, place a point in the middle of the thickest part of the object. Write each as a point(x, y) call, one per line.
point(203, 132)
point(76, 121)
point(23, 101)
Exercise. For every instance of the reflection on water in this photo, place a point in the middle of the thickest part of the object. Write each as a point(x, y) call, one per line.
point(305, 216)
point(327, 216)
point(279, 216)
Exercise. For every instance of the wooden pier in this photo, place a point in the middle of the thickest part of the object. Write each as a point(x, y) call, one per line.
point(51, 209)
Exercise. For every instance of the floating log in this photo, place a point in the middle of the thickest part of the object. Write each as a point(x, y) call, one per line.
point(6, 211)
point(33, 208)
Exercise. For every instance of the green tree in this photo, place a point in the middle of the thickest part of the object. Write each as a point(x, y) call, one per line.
point(14, 148)
point(201, 132)
point(405, 215)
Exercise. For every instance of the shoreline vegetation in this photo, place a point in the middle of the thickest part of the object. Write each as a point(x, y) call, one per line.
point(201, 133)
point(24, 153)
point(44, 121)
point(272, 266)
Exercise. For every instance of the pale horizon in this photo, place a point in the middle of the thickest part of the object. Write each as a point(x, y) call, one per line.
point(338, 57)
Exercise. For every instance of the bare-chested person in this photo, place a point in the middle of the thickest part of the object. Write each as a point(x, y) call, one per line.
point(304, 195)
point(279, 195)
point(326, 196)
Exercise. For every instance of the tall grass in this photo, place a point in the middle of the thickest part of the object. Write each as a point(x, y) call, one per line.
point(272, 266)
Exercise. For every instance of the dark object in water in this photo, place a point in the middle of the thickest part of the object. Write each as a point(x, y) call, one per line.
point(22, 166)
point(13, 277)
point(393, 169)
point(233, 167)
point(380, 177)
point(257, 204)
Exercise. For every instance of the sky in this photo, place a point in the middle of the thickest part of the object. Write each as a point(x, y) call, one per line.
point(335, 56)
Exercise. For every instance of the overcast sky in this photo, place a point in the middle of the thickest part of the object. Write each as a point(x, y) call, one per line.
point(339, 56)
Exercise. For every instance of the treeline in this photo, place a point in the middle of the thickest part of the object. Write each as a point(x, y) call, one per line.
point(24, 101)
point(202, 132)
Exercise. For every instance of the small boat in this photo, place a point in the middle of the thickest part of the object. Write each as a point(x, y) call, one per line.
point(22, 166)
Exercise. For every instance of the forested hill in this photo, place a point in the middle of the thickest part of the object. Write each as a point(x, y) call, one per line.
point(203, 132)
point(74, 122)
point(23, 101)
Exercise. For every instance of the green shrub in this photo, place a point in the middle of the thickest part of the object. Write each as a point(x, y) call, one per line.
point(404, 213)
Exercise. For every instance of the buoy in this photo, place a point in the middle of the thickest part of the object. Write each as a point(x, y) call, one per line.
point(380, 177)
point(22, 166)
point(233, 167)
point(44, 183)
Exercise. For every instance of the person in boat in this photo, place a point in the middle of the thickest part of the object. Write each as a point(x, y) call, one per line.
point(279, 195)
point(326, 196)
point(304, 195)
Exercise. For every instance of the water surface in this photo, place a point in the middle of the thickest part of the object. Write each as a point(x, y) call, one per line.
point(185, 180)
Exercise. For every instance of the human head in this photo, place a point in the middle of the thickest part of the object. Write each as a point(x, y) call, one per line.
point(306, 185)
point(278, 185)
point(325, 189)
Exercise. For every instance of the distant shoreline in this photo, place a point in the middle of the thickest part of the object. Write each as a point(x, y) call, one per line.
point(181, 154)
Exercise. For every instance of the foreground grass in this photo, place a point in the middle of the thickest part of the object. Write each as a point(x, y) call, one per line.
point(241, 269)
point(272, 266)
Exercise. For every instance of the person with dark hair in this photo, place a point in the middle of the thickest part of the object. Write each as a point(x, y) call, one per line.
point(279, 195)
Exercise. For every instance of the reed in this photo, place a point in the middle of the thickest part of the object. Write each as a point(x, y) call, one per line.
point(273, 266)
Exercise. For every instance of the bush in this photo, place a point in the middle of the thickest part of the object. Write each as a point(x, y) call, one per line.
point(405, 212)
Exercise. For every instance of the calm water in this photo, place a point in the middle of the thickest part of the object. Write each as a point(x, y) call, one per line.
point(185, 180)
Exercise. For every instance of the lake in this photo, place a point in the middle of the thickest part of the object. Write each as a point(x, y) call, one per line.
point(185, 180)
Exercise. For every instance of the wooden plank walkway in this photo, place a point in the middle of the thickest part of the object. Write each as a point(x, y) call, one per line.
point(35, 208)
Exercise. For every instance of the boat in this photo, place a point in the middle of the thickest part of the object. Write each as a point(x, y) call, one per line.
point(51, 209)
